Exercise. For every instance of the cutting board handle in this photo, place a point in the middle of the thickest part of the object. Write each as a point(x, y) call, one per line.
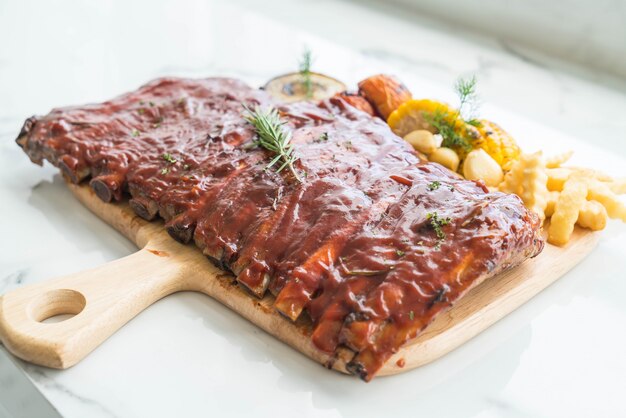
point(102, 300)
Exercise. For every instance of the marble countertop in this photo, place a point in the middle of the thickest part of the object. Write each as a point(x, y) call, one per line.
point(561, 354)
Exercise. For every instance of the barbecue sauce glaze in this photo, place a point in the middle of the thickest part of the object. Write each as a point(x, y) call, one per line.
point(372, 244)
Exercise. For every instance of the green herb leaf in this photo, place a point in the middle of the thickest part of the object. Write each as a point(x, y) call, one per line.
point(437, 223)
point(411, 315)
point(434, 185)
point(400, 253)
point(168, 157)
point(272, 135)
point(466, 90)
point(165, 170)
point(445, 126)
point(135, 132)
point(305, 72)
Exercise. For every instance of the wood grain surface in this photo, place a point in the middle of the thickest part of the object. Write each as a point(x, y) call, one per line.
point(105, 298)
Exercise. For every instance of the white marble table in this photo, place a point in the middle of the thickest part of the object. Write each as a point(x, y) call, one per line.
point(562, 354)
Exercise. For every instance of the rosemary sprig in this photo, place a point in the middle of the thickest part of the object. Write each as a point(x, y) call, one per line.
point(305, 72)
point(272, 135)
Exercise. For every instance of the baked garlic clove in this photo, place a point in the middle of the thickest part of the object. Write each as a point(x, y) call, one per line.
point(422, 141)
point(479, 165)
point(446, 157)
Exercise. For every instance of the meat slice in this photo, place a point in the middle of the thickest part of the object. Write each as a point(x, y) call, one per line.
point(372, 244)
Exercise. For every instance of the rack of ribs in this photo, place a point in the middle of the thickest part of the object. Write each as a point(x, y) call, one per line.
point(372, 244)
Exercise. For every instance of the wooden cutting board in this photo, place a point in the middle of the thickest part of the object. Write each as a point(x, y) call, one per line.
point(105, 298)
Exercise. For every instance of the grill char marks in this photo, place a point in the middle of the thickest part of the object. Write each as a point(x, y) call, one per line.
point(353, 245)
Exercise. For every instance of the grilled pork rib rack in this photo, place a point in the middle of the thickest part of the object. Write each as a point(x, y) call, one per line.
point(372, 244)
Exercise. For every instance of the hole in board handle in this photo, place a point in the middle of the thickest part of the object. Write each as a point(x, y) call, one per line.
point(56, 303)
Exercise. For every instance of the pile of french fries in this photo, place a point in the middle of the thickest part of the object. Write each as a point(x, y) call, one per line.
point(568, 196)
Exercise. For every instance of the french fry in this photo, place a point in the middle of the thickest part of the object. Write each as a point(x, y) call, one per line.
point(602, 193)
point(551, 203)
point(592, 215)
point(590, 173)
point(618, 186)
point(557, 178)
point(557, 160)
point(512, 182)
point(566, 210)
point(534, 180)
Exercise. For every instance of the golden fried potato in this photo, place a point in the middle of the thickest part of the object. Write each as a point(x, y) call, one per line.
point(385, 93)
point(592, 215)
point(557, 160)
point(557, 178)
point(602, 193)
point(590, 173)
point(551, 203)
point(566, 210)
point(618, 186)
point(513, 179)
point(534, 183)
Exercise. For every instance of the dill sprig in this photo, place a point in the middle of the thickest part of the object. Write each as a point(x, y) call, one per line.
point(466, 91)
point(446, 124)
point(272, 135)
point(305, 72)
point(446, 127)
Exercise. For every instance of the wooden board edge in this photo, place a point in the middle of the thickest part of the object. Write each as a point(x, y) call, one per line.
point(484, 305)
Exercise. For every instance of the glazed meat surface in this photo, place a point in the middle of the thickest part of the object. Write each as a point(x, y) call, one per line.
point(372, 244)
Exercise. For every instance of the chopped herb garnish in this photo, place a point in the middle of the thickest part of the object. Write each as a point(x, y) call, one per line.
point(437, 223)
point(434, 185)
point(411, 315)
point(151, 104)
point(272, 135)
point(168, 157)
point(165, 170)
point(305, 72)
point(322, 137)
point(134, 132)
point(400, 253)
point(141, 111)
